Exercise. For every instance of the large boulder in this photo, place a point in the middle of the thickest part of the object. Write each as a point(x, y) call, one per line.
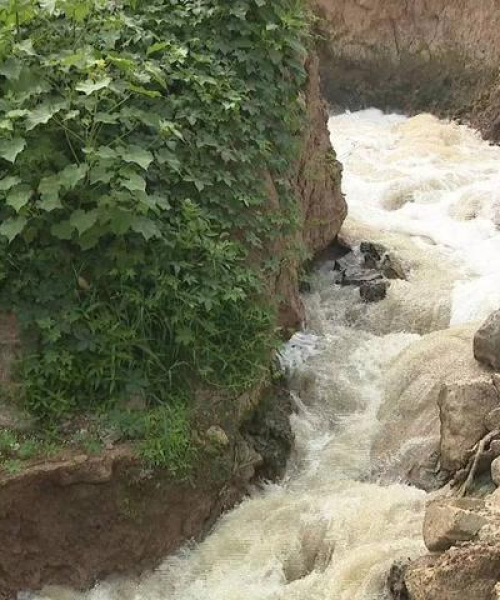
point(464, 406)
point(467, 572)
point(409, 441)
point(487, 341)
point(448, 522)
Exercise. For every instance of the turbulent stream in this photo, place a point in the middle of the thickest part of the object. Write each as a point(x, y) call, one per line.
point(429, 191)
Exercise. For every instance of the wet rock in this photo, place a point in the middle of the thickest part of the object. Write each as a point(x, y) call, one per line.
point(356, 276)
point(392, 268)
point(247, 460)
point(463, 407)
point(487, 342)
point(378, 257)
point(495, 471)
point(373, 291)
point(466, 572)
point(425, 473)
point(368, 268)
point(448, 522)
point(372, 253)
point(270, 434)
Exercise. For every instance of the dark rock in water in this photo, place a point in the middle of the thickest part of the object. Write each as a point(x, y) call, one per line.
point(354, 276)
point(304, 287)
point(487, 342)
point(350, 261)
point(396, 581)
point(373, 291)
point(392, 268)
point(270, 434)
point(378, 257)
point(372, 253)
point(367, 268)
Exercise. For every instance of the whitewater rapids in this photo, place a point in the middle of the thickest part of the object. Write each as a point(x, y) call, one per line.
point(429, 191)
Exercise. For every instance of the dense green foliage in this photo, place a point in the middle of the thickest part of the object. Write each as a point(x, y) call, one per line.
point(134, 138)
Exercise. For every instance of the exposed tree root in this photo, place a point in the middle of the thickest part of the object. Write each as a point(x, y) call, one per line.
point(478, 452)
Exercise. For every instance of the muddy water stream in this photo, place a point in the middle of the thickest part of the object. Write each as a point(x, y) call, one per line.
point(429, 191)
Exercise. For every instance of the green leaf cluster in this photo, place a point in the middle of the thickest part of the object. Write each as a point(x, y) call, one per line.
point(134, 141)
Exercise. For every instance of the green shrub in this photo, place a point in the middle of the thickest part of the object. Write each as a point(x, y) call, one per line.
point(134, 139)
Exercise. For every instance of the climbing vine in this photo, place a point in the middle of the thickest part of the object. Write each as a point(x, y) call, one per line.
point(134, 139)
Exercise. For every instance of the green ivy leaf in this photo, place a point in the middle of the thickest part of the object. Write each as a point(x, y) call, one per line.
point(8, 182)
point(146, 227)
point(136, 154)
point(43, 113)
point(11, 228)
point(89, 87)
point(132, 181)
point(72, 174)
point(19, 197)
point(11, 68)
point(82, 220)
point(10, 149)
point(49, 189)
point(62, 230)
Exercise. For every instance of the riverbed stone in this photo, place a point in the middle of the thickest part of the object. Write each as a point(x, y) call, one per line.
point(487, 341)
point(449, 522)
point(373, 291)
point(463, 407)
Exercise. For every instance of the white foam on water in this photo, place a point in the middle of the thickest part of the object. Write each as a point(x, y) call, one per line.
point(425, 177)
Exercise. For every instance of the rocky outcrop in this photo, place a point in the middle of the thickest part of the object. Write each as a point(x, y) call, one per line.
point(316, 181)
point(487, 342)
point(470, 571)
point(437, 56)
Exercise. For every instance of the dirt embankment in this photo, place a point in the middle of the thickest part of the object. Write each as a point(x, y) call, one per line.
point(441, 56)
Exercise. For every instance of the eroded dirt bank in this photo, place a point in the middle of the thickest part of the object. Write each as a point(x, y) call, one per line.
point(440, 56)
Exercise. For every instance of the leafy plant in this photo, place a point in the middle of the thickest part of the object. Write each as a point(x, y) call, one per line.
point(8, 442)
point(134, 141)
point(13, 467)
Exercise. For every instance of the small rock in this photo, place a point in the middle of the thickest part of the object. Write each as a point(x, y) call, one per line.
point(372, 253)
point(217, 436)
point(487, 342)
point(495, 471)
point(447, 523)
point(373, 292)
